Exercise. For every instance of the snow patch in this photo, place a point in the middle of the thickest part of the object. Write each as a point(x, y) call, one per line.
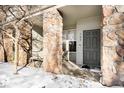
point(36, 78)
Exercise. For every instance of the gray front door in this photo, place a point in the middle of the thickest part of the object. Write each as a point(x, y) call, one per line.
point(91, 48)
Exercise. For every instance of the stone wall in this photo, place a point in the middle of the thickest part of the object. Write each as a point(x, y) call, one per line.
point(2, 18)
point(37, 46)
point(25, 44)
point(8, 43)
point(113, 46)
point(1, 54)
point(1, 48)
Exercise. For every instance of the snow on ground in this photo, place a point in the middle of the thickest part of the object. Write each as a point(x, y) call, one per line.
point(37, 78)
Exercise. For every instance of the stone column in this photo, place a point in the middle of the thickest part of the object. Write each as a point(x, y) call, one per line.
point(113, 46)
point(52, 41)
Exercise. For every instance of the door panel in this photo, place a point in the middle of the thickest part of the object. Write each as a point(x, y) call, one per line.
point(91, 48)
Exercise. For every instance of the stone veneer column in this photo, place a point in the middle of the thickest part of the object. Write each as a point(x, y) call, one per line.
point(52, 41)
point(113, 46)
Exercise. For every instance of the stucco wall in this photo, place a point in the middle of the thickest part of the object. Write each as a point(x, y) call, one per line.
point(84, 24)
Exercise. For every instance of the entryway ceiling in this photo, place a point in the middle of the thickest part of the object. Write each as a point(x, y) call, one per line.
point(72, 13)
